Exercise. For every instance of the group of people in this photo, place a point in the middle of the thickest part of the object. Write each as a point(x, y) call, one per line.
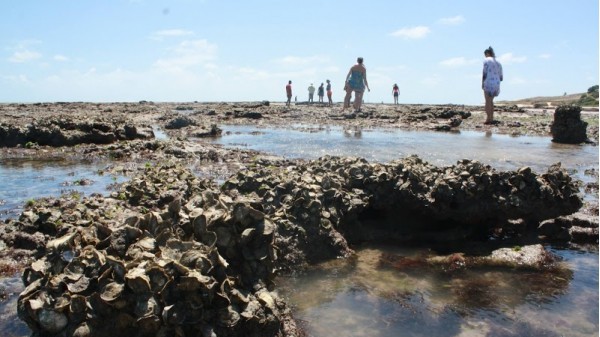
point(320, 92)
point(311, 93)
point(356, 81)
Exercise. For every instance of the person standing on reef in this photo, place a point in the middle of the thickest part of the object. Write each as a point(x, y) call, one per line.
point(356, 81)
point(329, 92)
point(396, 93)
point(321, 93)
point(288, 91)
point(311, 93)
point(490, 82)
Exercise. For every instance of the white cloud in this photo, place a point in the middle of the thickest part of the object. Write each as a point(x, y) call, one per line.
point(510, 58)
point(458, 62)
point(417, 32)
point(211, 66)
point(188, 54)
point(60, 58)
point(252, 73)
point(298, 61)
point(452, 21)
point(22, 56)
point(22, 52)
point(331, 69)
point(431, 80)
point(517, 80)
point(545, 56)
point(90, 71)
point(388, 69)
point(167, 33)
point(16, 78)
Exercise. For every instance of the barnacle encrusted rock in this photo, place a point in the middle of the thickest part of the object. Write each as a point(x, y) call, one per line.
point(171, 254)
point(567, 126)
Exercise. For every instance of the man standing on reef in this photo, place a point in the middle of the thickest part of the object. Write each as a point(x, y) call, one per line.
point(288, 91)
point(311, 93)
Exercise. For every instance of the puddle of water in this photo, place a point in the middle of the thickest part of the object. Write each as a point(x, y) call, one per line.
point(362, 297)
point(10, 324)
point(503, 152)
point(26, 179)
point(159, 134)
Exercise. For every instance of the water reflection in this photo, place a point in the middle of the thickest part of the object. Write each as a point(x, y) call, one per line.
point(503, 152)
point(368, 296)
point(355, 132)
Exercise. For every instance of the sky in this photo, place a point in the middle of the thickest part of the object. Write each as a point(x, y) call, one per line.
point(228, 50)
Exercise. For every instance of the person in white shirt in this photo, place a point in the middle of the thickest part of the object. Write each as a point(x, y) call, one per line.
point(311, 93)
point(490, 82)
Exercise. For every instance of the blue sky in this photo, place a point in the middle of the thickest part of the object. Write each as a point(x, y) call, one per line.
point(184, 50)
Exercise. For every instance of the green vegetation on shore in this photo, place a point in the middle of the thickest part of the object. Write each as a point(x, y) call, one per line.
point(587, 99)
point(590, 98)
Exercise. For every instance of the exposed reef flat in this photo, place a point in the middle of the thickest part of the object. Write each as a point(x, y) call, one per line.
point(172, 253)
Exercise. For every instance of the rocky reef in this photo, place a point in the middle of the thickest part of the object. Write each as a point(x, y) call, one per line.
point(568, 127)
point(65, 131)
point(169, 254)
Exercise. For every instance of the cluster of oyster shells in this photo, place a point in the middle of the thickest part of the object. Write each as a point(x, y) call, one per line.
point(317, 205)
point(191, 265)
point(173, 255)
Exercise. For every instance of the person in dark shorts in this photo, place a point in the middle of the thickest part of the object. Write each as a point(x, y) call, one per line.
point(321, 92)
point(356, 81)
point(329, 92)
point(288, 91)
point(396, 93)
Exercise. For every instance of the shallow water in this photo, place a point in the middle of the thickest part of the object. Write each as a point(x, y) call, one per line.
point(363, 297)
point(26, 179)
point(159, 134)
point(356, 297)
point(359, 298)
point(503, 152)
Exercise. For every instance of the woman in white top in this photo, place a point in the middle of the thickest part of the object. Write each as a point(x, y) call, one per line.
point(490, 82)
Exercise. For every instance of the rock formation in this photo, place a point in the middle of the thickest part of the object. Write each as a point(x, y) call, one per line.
point(170, 254)
point(567, 126)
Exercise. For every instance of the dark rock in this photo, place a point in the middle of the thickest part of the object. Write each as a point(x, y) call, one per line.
point(246, 114)
point(136, 132)
point(62, 131)
point(583, 234)
point(455, 121)
point(26, 241)
point(213, 131)
point(180, 122)
point(442, 127)
point(577, 228)
point(568, 127)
